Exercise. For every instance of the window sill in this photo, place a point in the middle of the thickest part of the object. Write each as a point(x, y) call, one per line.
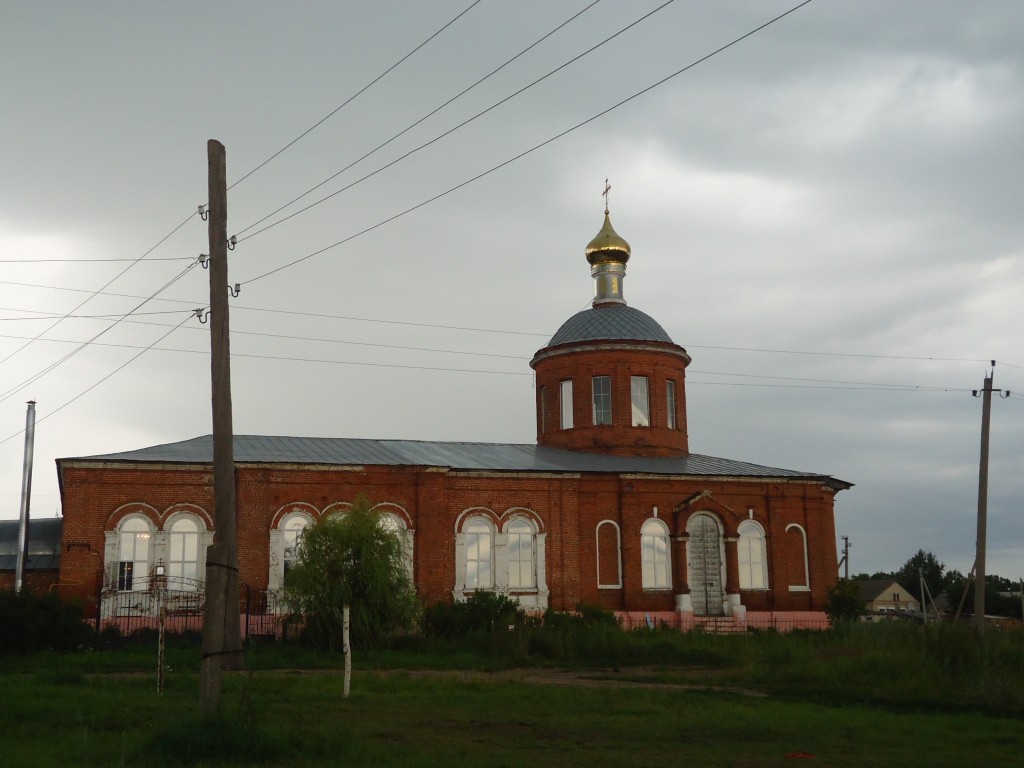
point(756, 589)
point(658, 590)
point(609, 586)
point(799, 589)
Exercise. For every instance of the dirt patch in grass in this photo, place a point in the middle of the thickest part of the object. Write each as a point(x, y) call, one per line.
point(660, 678)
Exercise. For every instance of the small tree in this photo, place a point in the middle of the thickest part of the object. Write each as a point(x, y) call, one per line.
point(926, 564)
point(844, 602)
point(351, 559)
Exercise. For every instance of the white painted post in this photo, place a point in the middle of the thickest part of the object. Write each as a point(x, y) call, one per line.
point(347, 649)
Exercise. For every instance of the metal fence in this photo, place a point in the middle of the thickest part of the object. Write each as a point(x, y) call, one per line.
point(182, 602)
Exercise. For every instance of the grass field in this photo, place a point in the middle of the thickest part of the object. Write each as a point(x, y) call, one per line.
point(824, 700)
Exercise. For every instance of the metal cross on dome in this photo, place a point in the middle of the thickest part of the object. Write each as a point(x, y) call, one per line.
point(607, 189)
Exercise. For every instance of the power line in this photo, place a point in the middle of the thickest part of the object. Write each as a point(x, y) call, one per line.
point(392, 322)
point(93, 294)
point(531, 150)
point(472, 329)
point(291, 338)
point(38, 375)
point(846, 384)
point(475, 329)
point(51, 316)
point(351, 98)
point(439, 137)
point(105, 378)
point(844, 354)
point(865, 384)
point(87, 261)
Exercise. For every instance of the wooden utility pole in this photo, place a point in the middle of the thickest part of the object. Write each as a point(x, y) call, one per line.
point(222, 642)
point(978, 620)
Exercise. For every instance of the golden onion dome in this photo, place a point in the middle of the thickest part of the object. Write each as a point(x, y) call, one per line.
point(607, 245)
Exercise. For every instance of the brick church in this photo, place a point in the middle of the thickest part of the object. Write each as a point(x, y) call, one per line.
point(609, 507)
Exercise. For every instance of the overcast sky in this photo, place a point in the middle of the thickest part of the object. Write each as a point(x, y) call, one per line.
point(827, 215)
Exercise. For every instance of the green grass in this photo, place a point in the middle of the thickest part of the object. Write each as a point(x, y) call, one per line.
point(300, 719)
point(894, 695)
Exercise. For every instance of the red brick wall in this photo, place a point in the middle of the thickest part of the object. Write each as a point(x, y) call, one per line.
point(569, 507)
point(657, 362)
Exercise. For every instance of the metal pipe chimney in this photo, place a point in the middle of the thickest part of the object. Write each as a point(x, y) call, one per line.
point(26, 494)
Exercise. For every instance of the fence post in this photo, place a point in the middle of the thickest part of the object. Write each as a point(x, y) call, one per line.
point(99, 608)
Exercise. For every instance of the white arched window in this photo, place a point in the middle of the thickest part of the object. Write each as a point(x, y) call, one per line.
point(133, 554)
point(284, 542)
point(520, 541)
point(396, 524)
point(291, 534)
point(654, 555)
point(753, 563)
point(478, 537)
point(183, 554)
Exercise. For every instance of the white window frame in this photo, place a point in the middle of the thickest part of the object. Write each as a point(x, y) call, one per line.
point(601, 400)
point(806, 586)
point(565, 413)
point(655, 555)
point(183, 567)
point(640, 400)
point(131, 572)
point(672, 420)
point(282, 546)
point(521, 553)
point(543, 410)
point(478, 547)
point(513, 523)
point(752, 556)
point(395, 518)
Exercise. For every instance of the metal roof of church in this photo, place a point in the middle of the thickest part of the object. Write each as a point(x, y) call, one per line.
point(494, 457)
point(618, 322)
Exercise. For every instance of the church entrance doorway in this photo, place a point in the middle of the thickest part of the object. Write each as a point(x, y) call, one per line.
point(704, 553)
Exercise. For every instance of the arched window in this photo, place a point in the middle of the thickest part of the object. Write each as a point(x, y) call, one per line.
point(654, 557)
point(291, 534)
point(133, 548)
point(521, 553)
point(801, 541)
point(753, 563)
point(294, 519)
point(396, 524)
point(183, 554)
point(478, 535)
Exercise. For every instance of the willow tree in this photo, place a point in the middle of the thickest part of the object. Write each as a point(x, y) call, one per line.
point(352, 559)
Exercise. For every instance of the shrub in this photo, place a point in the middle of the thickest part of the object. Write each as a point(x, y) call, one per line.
point(844, 602)
point(31, 623)
point(484, 611)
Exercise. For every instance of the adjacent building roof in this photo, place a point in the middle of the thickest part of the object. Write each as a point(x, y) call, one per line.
point(43, 544)
point(617, 322)
point(498, 457)
point(872, 589)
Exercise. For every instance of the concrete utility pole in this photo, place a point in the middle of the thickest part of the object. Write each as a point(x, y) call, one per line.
point(978, 620)
point(845, 562)
point(222, 642)
point(26, 495)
